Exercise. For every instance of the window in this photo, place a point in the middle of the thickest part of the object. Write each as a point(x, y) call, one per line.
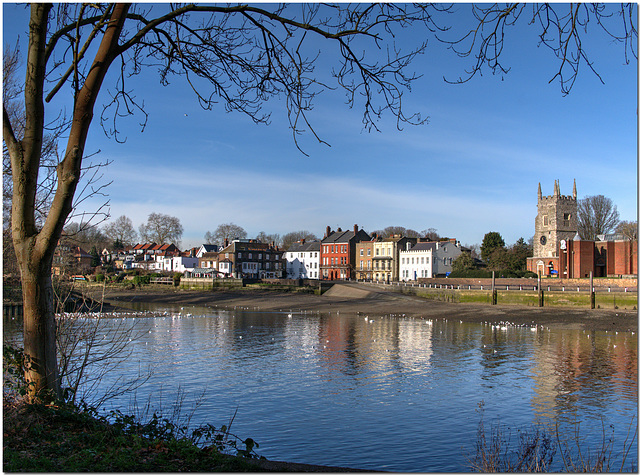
point(368, 265)
point(361, 252)
point(422, 260)
point(427, 259)
point(388, 251)
point(361, 265)
point(412, 260)
point(377, 252)
point(567, 216)
point(369, 252)
point(545, 220)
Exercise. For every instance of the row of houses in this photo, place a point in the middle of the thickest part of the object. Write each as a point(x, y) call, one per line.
point(340, 255)
point(353, 254)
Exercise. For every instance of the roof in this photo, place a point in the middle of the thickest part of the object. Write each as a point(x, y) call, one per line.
point(424, 246)
point(209, 247)
point(345, 236)
point(304, 247)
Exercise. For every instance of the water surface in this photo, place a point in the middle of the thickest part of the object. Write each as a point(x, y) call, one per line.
point(391, 393)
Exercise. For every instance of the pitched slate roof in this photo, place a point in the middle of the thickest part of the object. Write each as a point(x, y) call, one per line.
point(209, 247)
point(345, 236)
point(308, 246)
point(424, 246)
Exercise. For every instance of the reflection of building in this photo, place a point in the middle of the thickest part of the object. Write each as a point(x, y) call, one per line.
point(569, 363)
point(558, 249)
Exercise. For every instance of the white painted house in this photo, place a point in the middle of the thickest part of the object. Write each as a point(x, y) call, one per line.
point(428, 259)
point(179, 263)
point(303, 260)
point(206, 248)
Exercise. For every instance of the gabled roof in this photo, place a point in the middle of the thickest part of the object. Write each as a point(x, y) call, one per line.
point(345, 236)
point(209, 247)
point(308, 246)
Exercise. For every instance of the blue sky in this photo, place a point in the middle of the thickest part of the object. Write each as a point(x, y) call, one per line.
point(474, 168)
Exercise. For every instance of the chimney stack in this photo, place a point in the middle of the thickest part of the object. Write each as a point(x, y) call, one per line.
point(327, 232)
point(302, 241)
point(355, 229)
point(226, 242)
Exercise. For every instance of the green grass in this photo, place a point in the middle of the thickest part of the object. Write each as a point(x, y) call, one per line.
point(41, 438)
point(611, 300)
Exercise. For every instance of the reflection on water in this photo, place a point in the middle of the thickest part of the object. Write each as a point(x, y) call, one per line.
point(389, 393)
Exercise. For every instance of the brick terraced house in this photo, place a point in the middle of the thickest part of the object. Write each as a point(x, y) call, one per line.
point(338, 258)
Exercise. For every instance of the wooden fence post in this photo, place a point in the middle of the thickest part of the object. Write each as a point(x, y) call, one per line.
point(540, 293)
point(494, 292)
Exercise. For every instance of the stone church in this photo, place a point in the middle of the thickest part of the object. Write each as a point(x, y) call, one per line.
point(559, 251)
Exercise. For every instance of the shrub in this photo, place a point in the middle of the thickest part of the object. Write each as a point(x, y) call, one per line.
point(141, 279)
point(100, 277)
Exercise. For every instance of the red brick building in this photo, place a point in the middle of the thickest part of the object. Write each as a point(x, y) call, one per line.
point(559, 251)
point(611, 256)
point(338, 253)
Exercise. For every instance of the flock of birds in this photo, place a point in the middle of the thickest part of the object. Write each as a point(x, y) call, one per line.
point(501, 326)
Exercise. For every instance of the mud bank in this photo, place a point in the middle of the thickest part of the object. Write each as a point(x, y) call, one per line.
point(353, 298)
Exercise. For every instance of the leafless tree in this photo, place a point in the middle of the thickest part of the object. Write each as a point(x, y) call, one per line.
point(628, 229)
point(234, 57)
point(121, 230)
point(562, 28)
point(296, 236)
point(596, 215)
point(92, 345)
point(431, 233)
point(269, 238)
point(162, 229)
point(227, 231)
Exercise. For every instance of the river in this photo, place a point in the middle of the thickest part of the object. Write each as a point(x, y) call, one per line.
point(393, 393)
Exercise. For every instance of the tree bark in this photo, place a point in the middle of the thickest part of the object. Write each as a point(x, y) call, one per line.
point(35, 248)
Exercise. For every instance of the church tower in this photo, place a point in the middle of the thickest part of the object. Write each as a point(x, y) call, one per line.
point(556, 221)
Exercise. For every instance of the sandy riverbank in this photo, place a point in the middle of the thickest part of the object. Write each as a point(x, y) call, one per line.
point(353, 298)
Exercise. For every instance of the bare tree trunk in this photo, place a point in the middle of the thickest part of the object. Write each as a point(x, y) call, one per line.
point(40, 329)
point(35, 248)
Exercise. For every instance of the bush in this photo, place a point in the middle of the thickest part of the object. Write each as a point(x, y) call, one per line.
point(141, 280)
point(476, 273)
point(100, 277)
